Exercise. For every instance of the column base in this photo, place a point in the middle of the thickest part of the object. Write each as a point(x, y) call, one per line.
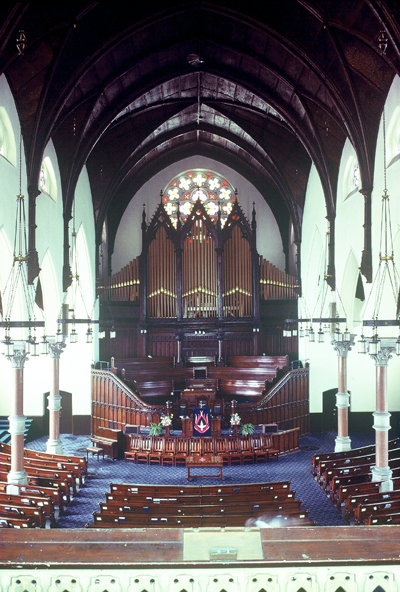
point(342, 444)
point(54, 447)
point(14, 479)
point(384, 475)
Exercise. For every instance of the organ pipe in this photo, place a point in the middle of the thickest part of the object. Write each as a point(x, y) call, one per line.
point(199, 282)
point(276, 284)
point(161, 277)
point(237, 276)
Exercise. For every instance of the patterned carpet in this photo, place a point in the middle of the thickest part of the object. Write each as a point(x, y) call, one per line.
point(294, 467)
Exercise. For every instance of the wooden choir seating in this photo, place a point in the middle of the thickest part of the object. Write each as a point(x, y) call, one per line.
point(347, 476)
point(233, 449)
point(285, 402)
point(52, 482)
point(269, 362)
point(132, 506)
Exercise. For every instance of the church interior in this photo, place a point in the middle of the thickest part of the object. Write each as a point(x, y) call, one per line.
point(199, 299)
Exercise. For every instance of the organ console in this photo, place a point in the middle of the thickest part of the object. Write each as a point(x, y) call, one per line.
point(110, 440)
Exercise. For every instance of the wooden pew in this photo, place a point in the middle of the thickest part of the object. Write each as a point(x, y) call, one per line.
point(110, 520)
point(191, 507)
point(324, 465)
point(37, 473)
point(199, 490)
point(45, 503)
point(15, 523)
point(377, 519)
point(363, 510)
point(36, 483)
point(54, 494)
point(80, 460)
point(370, 449)
point(394, 464)
point(35, 515)
point(50, 465)
point(120, 498)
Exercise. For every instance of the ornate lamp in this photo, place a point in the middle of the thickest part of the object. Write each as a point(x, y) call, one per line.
point(381, 345)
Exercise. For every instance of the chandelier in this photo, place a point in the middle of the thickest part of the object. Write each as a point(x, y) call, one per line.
point(386, 283)
point(18, 289)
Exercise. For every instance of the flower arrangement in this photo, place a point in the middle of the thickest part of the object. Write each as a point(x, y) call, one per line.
point(235, 419)
point(155, 429)
point(247, 429)
point(166, 420)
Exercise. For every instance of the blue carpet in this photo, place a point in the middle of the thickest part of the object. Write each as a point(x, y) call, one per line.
point(294, 467)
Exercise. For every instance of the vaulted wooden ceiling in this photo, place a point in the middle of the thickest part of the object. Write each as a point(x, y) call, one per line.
point(266, 87)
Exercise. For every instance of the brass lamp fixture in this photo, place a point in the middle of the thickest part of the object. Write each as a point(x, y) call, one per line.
point(387, 280)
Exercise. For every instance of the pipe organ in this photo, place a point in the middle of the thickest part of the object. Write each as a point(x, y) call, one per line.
point(199, 287)
point(276, 284)
point(123, 285)
point(161, 277)
point(237, 276)
point(199, 273)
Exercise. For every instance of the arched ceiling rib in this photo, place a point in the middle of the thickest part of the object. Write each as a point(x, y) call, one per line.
point(281, 84)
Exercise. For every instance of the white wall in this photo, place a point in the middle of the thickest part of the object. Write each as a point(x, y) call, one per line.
point(128, 239)
point(349, 243)
point(76, 359)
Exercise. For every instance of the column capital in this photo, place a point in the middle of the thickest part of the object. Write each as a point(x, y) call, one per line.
point(343, 347)
point(383, 356)
point(56, 349)
point(18, 356)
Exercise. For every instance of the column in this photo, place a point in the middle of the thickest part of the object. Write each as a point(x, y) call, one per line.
point(342, 441)
point(54, 445)
point(17, 475)
point(366, 258)
point(179, 280)
point(382, 472)
point(179, 361)
point(219, 284)
point(220, 361)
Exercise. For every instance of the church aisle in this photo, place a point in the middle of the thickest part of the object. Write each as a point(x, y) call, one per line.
point(294, 467)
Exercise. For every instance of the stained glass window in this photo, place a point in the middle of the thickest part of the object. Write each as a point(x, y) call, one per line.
point(356, 176)
point(213, 191)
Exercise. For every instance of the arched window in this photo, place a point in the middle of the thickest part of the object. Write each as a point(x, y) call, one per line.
point(393, 138)
point(47, 179)
point(351, 179)
point(8, 147)
point(213, 190)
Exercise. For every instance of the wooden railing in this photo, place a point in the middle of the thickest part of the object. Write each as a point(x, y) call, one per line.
point(286, 403)
point(114, 404)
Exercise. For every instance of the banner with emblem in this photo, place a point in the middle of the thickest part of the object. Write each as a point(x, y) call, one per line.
point(201, 421)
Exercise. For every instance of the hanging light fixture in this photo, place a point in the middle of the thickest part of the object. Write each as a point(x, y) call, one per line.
point(76, 295)
point(17, 284)
point(387, 274)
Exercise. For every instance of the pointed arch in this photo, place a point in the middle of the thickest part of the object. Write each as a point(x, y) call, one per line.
point(50, 293)
point(350, 290)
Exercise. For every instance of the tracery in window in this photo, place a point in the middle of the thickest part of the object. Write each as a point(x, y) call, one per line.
point(47, 179)
point(213, 191)
point(351, 179)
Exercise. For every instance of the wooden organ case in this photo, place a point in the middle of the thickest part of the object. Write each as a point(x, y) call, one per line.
point(197, 289)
